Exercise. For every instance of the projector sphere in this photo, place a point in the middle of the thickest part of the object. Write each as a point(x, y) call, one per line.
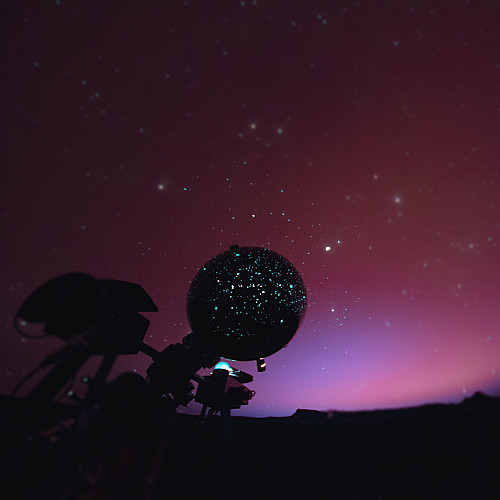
point(247, 303)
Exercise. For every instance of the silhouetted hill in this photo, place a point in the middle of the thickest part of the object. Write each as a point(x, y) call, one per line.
point(478, 402)
point(443, 451)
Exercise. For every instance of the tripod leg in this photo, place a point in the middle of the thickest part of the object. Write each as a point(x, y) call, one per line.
point(227, 437)
point(46, 390)
point(74, 448)
point(203, 413)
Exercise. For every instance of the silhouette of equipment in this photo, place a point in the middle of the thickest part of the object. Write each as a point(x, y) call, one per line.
point(244, 304)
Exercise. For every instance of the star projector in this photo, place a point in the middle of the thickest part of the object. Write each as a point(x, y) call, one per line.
point(244, 304)
point(247, 303)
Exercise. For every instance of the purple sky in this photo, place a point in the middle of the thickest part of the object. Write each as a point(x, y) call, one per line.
point(357, 139)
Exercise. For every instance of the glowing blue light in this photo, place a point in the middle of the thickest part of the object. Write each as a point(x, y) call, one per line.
point(222, 366)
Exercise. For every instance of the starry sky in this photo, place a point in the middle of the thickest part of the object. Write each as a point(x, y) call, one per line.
point(358, 139)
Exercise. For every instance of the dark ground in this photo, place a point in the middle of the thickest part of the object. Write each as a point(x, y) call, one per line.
point(434, 451)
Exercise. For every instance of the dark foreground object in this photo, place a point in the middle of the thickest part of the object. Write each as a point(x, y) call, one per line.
point(435, 451)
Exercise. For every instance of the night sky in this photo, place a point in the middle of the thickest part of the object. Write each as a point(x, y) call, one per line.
point(358, 139)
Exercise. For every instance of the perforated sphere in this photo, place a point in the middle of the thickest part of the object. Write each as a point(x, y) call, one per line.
point(247, 303)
